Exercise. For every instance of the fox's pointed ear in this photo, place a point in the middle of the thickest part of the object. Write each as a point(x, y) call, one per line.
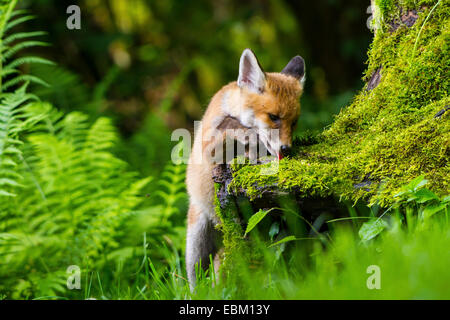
point(251, 75)
point(296, 69)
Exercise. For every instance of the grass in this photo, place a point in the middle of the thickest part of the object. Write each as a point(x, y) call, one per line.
point(413, 261)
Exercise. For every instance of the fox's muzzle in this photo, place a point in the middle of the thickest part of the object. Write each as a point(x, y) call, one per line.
point(285, 150)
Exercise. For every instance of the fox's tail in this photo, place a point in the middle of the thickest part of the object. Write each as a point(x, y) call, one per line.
point(200, 243)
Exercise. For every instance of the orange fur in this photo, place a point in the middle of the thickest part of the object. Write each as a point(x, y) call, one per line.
point(234, 106)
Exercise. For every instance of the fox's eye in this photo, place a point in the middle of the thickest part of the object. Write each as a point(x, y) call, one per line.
point(274, 118)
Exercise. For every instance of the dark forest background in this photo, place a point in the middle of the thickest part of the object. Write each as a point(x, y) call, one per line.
point(153, 65)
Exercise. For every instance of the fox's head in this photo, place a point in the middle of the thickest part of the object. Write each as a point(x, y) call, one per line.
point(271, 100)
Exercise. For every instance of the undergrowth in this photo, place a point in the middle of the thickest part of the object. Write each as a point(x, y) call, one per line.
point(65, 198)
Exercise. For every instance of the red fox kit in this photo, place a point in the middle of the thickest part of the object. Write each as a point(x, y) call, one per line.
point(257, 101)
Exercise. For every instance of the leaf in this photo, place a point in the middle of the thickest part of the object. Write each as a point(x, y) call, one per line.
point(371, 229)
point(22, 45)
point(424, 195)
point(417, 183)
point(6, 193)
point(433, 209)
point(8, 182)
point(24, 78)
point(400, 194)
point(255, 219)
point(28, 60)
point(22, 35)
point(18, 21)
point(284, 240)
point(274, 229)
point(412, 187)
point(292, 238)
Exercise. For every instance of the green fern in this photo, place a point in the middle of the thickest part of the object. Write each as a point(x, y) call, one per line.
point(75, 198)
point(13, 118)
point(172, 190)
point(11, 44)
point(64, 197)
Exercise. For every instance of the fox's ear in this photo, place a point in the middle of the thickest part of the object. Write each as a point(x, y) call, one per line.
point(296, 69)
point(251, 75)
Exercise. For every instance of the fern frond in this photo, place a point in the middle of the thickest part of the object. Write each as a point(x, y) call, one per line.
point(27, 60)
point(64, 196)
point(102, 135)
point(4, 73)
point(14, 43)
point(16, 12)
point(22, 35)
point(24, 78)
point(172, 189)
point(73, 128)
point(7, 13)
point(11, 108)
point(20, 46)
point(13, 23)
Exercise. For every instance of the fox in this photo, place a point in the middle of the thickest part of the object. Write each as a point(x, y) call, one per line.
point(257, 102)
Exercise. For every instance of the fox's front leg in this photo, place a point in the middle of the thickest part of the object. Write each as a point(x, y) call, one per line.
point(202, 238)
point(200, 242)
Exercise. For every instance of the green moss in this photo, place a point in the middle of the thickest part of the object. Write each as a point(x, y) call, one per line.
point(231, 230)
point(387, 11)
point(387, 136)
point(388, 8)
point(385, 6)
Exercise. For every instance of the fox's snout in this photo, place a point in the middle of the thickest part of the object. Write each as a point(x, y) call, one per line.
point(285, 150)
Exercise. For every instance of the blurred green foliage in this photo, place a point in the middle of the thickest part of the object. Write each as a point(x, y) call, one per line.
point(153, 65)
